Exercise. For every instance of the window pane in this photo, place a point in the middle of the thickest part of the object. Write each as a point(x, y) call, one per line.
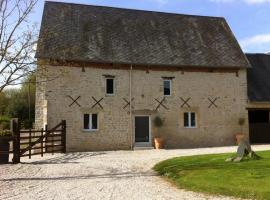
point(186, 124)
point(86, 121)
point(193, 120)
point(109, 86)
point(167, 87)
point(94, 121)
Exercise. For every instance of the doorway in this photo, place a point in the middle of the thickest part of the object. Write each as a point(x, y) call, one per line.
point(259, 126)
point(142, 129)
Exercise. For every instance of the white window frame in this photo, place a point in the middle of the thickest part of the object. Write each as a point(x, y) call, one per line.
point(170, 81)
point(110, 94)
point(90, 122)
point(189, 120)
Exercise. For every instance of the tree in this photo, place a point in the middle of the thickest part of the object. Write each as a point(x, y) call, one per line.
point(22, 102)
point(3, 103)
point(19, 102)
point(18, 39)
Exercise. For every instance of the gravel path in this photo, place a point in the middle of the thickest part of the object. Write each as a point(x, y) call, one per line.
point(98, 175)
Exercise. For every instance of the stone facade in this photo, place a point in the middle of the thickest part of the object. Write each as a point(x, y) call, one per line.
point(41, 102)
point(216, 126)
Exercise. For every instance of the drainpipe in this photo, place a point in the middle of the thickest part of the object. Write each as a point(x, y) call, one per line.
point(130, 107)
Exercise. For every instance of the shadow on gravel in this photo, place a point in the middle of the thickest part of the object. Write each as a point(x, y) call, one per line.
point(125, 175)
point(67, 158)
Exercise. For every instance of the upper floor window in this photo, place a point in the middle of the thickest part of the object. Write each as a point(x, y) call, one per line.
point(167, 87)
point(189, 120)
point(90, 122)
point(110, 86)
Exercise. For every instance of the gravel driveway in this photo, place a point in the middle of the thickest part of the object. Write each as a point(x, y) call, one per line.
point(97, 175)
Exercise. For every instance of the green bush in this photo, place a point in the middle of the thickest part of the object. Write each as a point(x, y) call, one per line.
point(27, 124)
point(158, 122)
point(14, 102)
point(4, 122)
point(5, 133)
point(4, 118)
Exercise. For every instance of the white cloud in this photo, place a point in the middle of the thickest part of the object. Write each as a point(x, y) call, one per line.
point(256, 42)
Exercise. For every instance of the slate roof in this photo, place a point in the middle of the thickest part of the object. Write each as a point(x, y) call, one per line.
point(258, 77)
point(113, 35)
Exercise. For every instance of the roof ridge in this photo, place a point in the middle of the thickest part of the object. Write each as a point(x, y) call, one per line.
point(258, 54)
point(139, 10)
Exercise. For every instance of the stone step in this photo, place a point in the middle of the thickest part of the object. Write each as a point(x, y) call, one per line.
point(142, 148)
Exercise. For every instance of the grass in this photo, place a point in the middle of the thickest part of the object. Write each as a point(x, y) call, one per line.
point(211, 174)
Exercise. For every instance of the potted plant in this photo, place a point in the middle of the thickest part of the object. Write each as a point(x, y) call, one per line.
point(158, 140)
point(4, 145)
point(5, 137)
point(240, 136)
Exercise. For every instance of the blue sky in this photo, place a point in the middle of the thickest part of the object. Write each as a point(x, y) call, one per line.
point(248, 19)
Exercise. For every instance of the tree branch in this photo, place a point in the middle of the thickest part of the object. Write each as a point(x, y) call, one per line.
point(17, 41)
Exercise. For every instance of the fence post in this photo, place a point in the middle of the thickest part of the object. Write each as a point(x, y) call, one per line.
point(64, 125)
point(46, 138)
point(30, 141)
point(42, 142)
point(15, 129)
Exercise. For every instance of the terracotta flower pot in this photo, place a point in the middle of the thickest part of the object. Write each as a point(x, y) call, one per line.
point(239, 137)
point(159, 143)
point(4, 146)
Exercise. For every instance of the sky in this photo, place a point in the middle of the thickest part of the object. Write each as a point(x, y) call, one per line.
point(248, 19)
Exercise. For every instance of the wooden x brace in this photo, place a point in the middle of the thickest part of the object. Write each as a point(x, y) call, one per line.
point(212, 102)
point(97, 102)
point(74, 101)
point(161, 104)
point(185, 102)
point(127, 103)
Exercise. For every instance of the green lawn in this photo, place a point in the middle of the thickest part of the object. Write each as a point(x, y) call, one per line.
point(211, 174)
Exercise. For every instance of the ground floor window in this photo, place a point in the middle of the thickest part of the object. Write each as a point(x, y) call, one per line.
point(90, 122)
point(189, 120)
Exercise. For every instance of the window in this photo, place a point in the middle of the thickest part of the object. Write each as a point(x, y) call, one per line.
point(109, 86)
point(90, 122)
point(189, 120)
point(167, 87)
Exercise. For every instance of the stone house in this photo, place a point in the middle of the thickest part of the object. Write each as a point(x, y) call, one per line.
point(109, 72)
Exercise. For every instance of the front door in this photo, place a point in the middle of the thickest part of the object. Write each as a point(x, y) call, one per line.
point(142, 128)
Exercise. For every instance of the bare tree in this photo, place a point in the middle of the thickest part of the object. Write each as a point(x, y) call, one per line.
point(18, 39)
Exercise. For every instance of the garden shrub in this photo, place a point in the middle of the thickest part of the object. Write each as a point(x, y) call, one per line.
point(4, 122)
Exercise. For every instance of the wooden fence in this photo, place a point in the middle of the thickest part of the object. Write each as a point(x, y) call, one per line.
point(36, 142)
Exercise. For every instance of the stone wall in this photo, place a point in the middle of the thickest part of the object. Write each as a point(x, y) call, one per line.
point(41, 102)
point(215, 126)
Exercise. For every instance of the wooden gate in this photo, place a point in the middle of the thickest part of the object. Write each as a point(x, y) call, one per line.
point(37, 142)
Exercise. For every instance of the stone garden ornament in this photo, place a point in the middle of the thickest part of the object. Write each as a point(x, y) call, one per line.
point(243, 151)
